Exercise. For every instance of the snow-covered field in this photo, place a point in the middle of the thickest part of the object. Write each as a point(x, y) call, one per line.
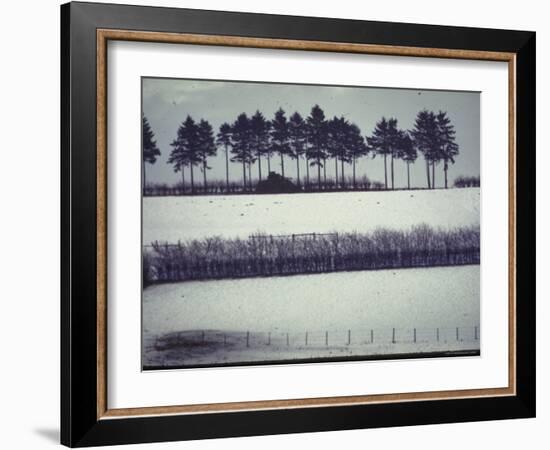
point(170, 219)
point(234, 351)
point(343, 314)
point(334, 303)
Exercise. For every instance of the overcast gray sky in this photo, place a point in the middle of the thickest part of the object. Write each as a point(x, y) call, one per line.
point(167, 102)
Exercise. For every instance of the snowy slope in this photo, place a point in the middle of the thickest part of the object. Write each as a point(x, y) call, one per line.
point(423, 298)
point(169, 219)
point(213, 317)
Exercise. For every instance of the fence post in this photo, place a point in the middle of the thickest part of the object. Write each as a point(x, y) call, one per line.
point(248, 338)
point(349, 337)
point(269, 338)
point(326, 338)
point(437, 334)
point(457, 333)
point(414, 337)
point(306, 338)
point(371, 336)
point(475, 333)
point(287, 342)
point(393, 336)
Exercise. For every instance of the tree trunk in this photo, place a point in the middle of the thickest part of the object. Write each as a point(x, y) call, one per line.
point(182, 179)
point(385, 172)
point(319, 172)
point(342, 166)
point(192, 180)
point(268, 163)
point(409, 175)
point(428, 173)
point(307, 171)
point(282, 165)
point(259, 166)
point(226, 168)
point(336, 170)
point(445, 168)
point(204, 174)
point(244, 176)
point(144, 177)
point(325, 172)
point(298, 170)
point(433, 174)
point(392, 179)
point(354, 184)
point(250, 176)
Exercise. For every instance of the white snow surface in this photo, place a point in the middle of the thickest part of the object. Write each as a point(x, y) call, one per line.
point(173, 219)
point(335, 303)
point(236, 352)
point(426, 297)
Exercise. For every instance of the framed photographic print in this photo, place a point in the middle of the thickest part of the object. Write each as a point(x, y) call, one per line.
point(277, 224)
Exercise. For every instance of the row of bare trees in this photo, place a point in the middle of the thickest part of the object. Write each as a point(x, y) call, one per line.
point(315, 139)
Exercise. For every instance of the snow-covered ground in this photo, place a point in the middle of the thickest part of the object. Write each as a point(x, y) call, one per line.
point(235, 351)
point(170, 219)
point(334, 303)
point(344, 314)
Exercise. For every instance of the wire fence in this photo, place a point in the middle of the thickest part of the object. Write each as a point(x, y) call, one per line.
point(321, 338)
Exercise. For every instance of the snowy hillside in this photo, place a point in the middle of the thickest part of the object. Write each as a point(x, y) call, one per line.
point(170, 219)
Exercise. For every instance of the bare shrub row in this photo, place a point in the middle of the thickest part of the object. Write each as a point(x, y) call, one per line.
point(265, 255)
point(220, 187)
point(462, 182)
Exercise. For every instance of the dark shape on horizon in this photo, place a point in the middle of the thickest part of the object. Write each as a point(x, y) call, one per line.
point(276, 184)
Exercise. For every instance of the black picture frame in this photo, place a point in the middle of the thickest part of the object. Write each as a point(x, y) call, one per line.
point(80, 424)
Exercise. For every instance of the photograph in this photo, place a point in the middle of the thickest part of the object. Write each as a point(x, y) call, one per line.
point(283, 222)
point(300, 223)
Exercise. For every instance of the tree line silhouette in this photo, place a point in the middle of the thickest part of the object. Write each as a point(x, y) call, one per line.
point(314, 139)
point(463, 181)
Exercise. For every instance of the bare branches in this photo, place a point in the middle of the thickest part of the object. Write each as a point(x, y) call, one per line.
point(266, 255)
